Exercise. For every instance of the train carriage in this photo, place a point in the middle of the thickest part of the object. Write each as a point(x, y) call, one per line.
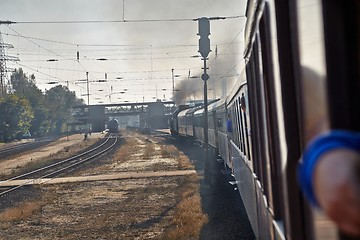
point(182, 123)
point(190, 122)
point(223, 146)
point(173, 121)
point(213, 125)
point(198, 125)
point(280, 38)
point(270, 108)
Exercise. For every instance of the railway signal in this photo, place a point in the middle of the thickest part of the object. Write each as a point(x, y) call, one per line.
point(204, 32)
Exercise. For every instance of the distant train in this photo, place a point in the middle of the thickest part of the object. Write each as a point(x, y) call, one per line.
point(270, 108)
point(113, 126)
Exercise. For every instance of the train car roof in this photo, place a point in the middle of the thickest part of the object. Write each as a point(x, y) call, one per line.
point(188, 111)
point(192, 110)
point(180, 108)
point(183, 112)
point(213, 106)
point(199, 111)
point(238, 85)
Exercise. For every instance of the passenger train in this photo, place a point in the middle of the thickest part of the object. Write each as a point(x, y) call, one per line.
point(271, 108)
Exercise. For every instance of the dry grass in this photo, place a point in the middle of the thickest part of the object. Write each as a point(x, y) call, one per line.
point(168, 151)
point(149, 151)
point(184, 162)
point(188, 218)
point(62, 154)
point(131, 147)
point(71, 150)
point(126, 150)
point(22, 212)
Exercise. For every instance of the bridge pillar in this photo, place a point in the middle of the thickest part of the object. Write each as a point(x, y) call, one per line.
point(156, 115)
point(97, 118)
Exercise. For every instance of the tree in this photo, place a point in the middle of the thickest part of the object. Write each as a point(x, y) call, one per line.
point(60, 100)
point(16, 116)
point(51, 110)
point(25, 87)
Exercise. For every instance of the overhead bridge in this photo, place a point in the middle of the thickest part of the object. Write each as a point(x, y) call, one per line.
point(151, 114)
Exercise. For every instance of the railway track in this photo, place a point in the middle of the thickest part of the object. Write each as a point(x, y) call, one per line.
point(59, 167)
point(22, 147)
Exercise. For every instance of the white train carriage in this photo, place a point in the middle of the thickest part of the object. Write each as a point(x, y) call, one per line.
point(199, 125)
point(182, 123)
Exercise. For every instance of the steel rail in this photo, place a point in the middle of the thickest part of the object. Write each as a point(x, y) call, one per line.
point(58, 163)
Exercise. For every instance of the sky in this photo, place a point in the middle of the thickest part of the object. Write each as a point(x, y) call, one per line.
point(148, 39)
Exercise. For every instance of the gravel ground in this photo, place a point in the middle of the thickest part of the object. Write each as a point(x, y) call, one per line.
point(227, 218)
point(132, 208)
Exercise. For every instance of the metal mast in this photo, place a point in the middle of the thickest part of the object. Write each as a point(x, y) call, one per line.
point(3, 69)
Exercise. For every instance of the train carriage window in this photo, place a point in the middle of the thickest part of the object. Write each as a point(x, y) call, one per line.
point(240, 135)
point(238, 128)
point(211, 123)
point(247, 129)
point(219, 122)
point(262, 132)
point(242, 129)
point(312, 56)
point(271, 147)
point(235, 126)
point(232, 116)
point(251, 74)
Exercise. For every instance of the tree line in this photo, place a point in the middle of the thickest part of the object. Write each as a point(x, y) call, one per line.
point(25, 108)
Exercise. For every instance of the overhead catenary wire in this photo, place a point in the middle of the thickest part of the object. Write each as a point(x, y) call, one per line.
point(86, 66)
point(114, 21)
point(52, 52)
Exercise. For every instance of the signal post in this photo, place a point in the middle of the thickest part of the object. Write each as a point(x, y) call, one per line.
point(204, 50)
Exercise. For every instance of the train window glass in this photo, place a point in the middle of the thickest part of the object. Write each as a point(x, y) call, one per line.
point(219, 122)
point(262, 120)
point(271, 139)
point(246, 125)
point(251, 123)
point(235, 124)
point(232, 121)
point(277, 85)
point(238, 125)
point(311, 38)
point(242, 129)
point(312, 57)
point(251, 68)
point(232, 116)
point(210, 122)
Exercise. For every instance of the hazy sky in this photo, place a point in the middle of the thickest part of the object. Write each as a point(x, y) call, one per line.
point(141, 53)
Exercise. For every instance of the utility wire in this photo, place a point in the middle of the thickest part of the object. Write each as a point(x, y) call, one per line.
point(115, 21)
point(37, 44)
point(100, 45)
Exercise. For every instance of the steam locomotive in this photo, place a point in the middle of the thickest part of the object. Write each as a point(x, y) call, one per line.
point(271, 108)
point(113, 126)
